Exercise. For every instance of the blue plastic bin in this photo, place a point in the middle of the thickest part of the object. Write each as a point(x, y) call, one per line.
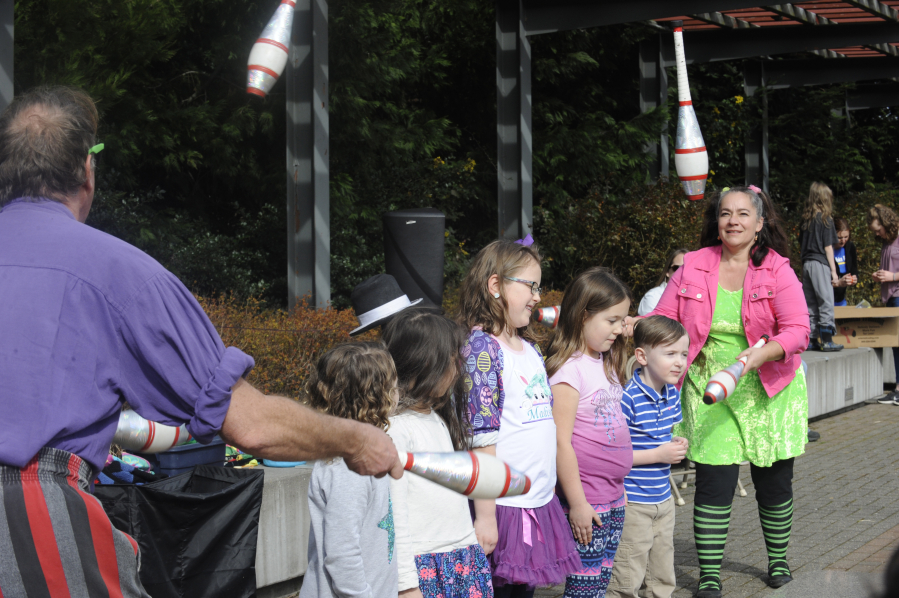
point(184, 458)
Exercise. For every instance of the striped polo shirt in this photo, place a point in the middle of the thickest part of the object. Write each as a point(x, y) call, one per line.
point(650, 417)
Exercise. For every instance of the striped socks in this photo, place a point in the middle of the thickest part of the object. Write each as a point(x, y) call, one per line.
point(710, 529)
point(777, 522)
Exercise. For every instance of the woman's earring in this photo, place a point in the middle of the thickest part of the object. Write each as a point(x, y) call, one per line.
point(719, 237)
point(756, 238)
point(496, 295)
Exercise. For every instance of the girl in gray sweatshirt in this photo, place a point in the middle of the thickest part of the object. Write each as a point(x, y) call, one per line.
point(351, 537)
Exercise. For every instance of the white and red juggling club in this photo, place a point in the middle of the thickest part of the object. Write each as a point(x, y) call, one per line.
point(691, 160)
point(143, 436)
point(548, 316)
point(476, 475)
point(269, 54)
point(723, 384)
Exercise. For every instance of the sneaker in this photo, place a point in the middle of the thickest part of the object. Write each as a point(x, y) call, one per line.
point(888, 399)
point(813, 436)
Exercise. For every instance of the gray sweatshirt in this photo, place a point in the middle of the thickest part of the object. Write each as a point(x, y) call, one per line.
point(351, 536)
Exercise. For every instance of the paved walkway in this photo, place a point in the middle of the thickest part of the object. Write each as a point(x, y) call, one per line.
point(846, 516)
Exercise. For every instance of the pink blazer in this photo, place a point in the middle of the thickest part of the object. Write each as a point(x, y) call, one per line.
point(773, 304)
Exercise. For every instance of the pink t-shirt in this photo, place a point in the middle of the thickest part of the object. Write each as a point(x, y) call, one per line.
point(600, 438)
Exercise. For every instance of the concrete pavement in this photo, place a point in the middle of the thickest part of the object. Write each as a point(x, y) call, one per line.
point(846, 516)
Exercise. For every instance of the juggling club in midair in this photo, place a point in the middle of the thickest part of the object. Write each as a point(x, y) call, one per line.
point(691, 160)
point(269, 54)
point(548, 316)
point(134, 433)
point(723, 384)
point(475, 475)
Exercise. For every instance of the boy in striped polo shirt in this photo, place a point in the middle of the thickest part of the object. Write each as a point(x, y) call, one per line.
point(651, 406)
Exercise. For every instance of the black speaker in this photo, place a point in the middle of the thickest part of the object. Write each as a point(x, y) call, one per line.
point(413, 251)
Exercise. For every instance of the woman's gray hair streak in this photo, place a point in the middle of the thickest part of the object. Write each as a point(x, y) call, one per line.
point(757, 202)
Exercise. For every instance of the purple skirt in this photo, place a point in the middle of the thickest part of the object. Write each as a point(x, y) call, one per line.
point(542, 557)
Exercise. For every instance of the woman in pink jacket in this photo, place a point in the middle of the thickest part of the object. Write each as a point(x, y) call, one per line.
point(738, 287)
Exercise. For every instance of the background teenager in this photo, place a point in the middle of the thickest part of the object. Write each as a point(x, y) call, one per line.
point(510, 409)
point(651, 298)
point(845, 257)
point(586, 363)
point(884, 223)
point(738, 287)
point(651, 406)
point(437, 551)
point(351, 544)
point(817, 238)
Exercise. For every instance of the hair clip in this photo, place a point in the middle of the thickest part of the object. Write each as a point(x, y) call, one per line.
point(725, 190)
point(754, 188)
point(527, 241)
point(96, 149)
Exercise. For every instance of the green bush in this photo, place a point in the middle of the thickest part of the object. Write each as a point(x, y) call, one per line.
point(634, 236)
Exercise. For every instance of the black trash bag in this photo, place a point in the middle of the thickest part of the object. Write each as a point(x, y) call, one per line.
point(196, 531)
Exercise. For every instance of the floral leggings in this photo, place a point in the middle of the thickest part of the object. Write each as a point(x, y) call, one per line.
point(462, 573)
point(598, 556)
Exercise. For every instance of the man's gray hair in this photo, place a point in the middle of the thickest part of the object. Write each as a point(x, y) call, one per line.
point(45, 138)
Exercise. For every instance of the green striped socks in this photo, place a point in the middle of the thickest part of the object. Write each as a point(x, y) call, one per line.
point(710, 528)
point(777, 522)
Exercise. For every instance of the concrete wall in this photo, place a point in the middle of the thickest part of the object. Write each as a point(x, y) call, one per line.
point(282, 547)
point(841, 379)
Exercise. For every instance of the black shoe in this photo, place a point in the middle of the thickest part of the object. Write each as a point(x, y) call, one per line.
point(710, 588)
point(813, 436)
point(778, 574)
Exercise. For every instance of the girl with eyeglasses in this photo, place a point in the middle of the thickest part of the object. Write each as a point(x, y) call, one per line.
point(652, 296)
point(510, 405)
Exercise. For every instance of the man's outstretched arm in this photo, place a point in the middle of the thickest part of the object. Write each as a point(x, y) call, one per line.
point(281, 429)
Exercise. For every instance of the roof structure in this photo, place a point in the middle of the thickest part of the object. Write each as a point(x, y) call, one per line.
point(804, 14)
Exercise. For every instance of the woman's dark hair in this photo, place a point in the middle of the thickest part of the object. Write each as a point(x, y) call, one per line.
point(670, 262)
point(772, 235)
point(425, 346)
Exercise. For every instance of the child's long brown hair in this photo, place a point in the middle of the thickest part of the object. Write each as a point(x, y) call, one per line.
point(354, 381)
point(425, 347)
point(477, 306)
point(593, 291)
point(820, 199)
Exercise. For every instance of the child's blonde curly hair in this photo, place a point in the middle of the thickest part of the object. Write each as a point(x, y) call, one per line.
point(354, 381)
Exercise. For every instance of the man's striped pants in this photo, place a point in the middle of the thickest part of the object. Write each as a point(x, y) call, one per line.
point(55, 539)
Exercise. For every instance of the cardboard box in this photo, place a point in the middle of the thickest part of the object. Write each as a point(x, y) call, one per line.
point(871, 327)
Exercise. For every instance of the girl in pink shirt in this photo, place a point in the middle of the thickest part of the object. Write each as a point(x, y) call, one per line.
point(586, 363)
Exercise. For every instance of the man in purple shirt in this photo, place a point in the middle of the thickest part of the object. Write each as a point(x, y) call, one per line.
point(87, 322)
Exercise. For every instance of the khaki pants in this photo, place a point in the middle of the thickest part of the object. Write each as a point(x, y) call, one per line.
point(646, 553)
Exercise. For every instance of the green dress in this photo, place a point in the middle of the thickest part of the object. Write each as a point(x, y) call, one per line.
point(748, 426)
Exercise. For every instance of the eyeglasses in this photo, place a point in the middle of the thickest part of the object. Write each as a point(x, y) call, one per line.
point(674, 267)
point(535, 287)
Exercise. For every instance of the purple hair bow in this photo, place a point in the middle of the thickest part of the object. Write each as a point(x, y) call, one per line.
point(527, 241)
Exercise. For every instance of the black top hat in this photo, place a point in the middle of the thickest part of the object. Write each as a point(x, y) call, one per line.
point(376, 299)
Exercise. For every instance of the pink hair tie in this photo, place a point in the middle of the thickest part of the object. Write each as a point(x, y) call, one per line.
point(754, 188)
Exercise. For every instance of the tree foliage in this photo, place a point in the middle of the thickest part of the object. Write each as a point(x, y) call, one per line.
point(193, 170)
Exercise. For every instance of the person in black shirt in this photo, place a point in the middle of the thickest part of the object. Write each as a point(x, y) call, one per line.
point(846, 259)
point(819, 272)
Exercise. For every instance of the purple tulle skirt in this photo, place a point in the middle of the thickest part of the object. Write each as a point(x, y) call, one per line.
point(551, 554)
